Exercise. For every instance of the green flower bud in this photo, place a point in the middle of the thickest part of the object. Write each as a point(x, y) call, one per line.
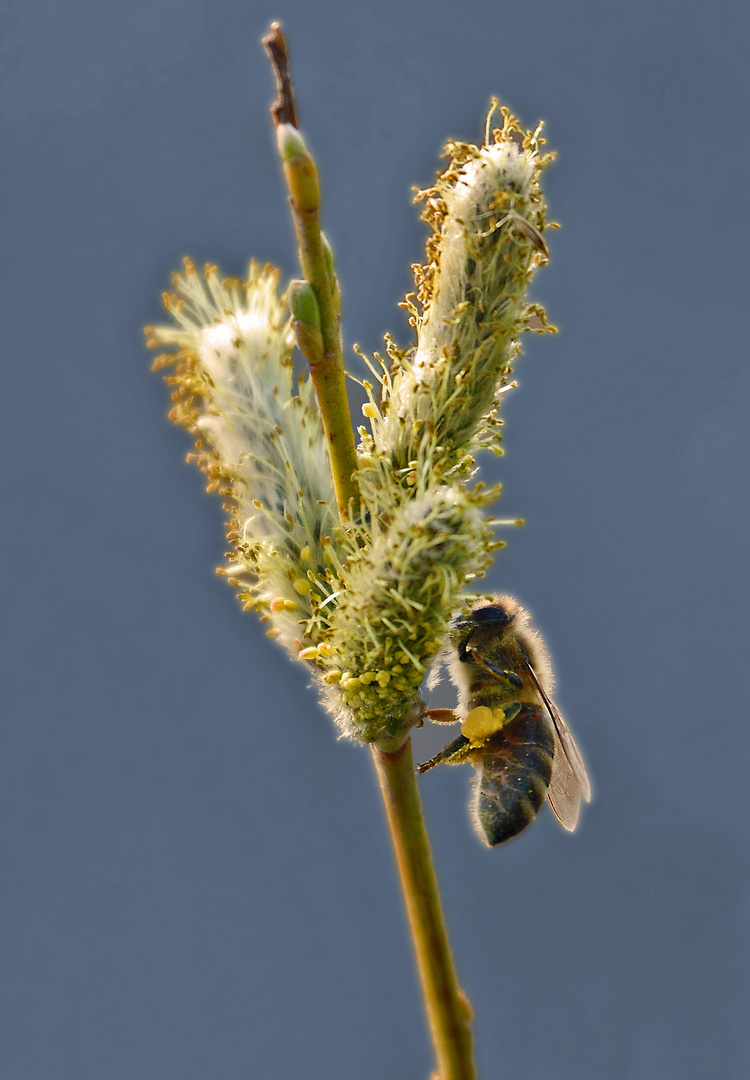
point(290, 142)
point(303, 304)
point(306, 322)
point(331, 272)
point(328, 257)
point(299, 168)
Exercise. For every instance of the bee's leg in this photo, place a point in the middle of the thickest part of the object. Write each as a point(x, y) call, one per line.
point(430, 764)
point(451, 753)
point(440, 716)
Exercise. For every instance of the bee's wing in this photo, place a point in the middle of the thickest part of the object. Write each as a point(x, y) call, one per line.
point(567, 785)
point(569, 777)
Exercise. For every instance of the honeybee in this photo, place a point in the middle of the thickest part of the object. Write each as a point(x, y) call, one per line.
point(512, 731)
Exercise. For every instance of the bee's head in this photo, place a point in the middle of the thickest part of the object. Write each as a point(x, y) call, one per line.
point(499, 613)
point(492, 617)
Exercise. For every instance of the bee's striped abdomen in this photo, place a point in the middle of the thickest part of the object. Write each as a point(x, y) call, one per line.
point(513, 775)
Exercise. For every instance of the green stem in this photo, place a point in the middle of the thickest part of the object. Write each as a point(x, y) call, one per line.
point(327, 372)
point(448, 1010)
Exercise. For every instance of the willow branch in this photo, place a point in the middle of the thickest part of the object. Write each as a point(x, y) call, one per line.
point(327, 364)
point(448, 1010)
point(318, 334)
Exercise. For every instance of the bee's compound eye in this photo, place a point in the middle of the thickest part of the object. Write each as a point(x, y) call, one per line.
point(492, 613)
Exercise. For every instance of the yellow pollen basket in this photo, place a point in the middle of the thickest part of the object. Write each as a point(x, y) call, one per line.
point(481, 723)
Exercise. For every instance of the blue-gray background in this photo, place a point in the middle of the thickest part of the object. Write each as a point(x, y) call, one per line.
point(197, 880)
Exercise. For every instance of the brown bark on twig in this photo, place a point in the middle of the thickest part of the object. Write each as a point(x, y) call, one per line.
point(282, 110)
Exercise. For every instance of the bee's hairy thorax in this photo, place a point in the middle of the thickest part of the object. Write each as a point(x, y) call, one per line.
point(483, 684)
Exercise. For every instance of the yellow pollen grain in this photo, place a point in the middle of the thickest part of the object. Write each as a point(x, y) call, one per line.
point(481, 723)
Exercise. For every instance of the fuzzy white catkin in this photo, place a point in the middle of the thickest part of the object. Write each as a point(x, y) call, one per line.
point(489, 215)
point(367, 603)
point(260, 443)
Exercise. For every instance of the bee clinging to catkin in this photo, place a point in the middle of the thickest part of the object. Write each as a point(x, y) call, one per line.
point(511, 731)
